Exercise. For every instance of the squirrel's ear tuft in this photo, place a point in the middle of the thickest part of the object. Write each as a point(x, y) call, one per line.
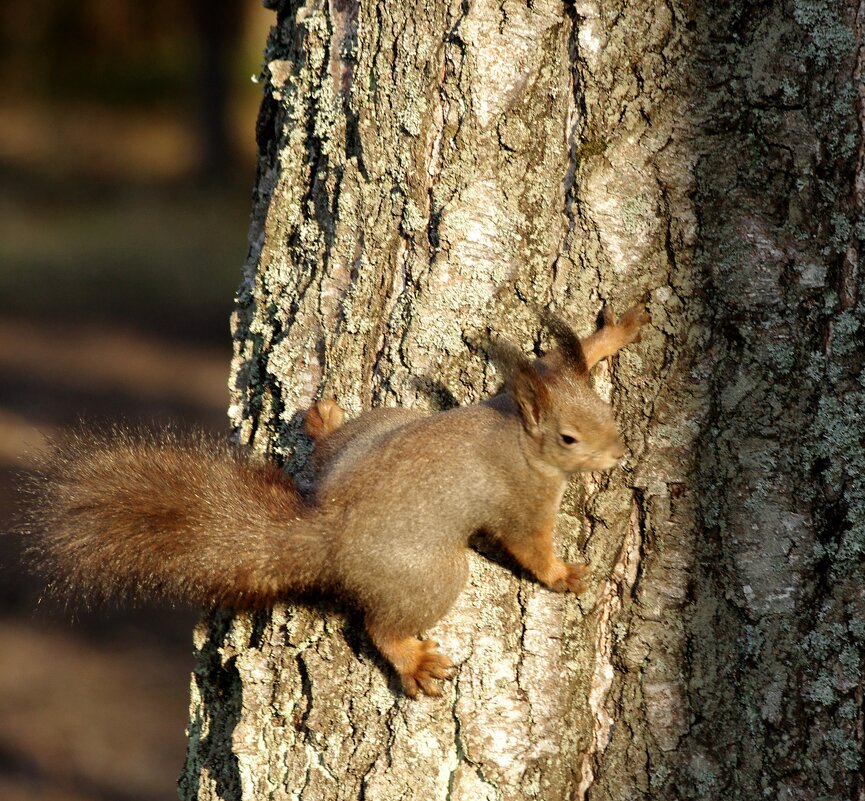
point(568, 342)
point(523, 382)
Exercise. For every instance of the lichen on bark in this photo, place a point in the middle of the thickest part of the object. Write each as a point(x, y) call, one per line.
point(431, 174)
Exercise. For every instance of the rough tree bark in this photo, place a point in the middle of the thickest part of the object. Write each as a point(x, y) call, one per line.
point(433, 171)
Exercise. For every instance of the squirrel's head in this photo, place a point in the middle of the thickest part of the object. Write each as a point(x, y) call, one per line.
point(569, 425)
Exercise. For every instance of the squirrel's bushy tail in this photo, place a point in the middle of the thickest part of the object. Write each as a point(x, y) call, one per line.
point(187, 519)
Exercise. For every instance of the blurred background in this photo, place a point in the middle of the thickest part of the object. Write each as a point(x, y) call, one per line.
point(126, 169)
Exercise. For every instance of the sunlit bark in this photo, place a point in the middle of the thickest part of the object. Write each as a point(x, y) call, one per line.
point(435, 171)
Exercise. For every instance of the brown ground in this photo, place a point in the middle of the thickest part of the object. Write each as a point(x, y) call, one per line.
point(118, 264)
point(101, 319)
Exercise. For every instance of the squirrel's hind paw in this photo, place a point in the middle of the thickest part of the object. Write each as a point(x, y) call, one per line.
point(323, 418)
point(432, 665)
point(420, 664)
point(572, 578)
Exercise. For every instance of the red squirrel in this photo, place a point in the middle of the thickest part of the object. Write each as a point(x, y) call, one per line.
point(398, 493)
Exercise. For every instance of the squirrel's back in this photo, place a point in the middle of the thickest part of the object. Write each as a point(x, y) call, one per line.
point(411, 488)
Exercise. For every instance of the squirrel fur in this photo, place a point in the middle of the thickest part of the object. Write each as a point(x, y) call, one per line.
point(397, 495)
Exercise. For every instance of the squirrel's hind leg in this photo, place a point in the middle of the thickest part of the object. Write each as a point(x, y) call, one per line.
point(323, 418)
point(419, 663)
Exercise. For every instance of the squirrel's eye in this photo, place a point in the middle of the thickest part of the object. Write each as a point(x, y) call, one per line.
point(567, 439)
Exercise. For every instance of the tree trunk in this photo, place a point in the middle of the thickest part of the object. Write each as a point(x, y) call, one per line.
point(435, 171)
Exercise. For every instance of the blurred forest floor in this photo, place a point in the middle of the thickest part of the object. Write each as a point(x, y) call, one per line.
point(117, 275)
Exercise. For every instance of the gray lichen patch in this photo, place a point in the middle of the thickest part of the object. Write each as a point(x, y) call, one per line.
point(410, 203)
point(418, 192)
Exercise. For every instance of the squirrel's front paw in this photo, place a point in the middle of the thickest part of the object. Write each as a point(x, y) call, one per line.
point(570, 578)
point(627, 327)
point(631, 321)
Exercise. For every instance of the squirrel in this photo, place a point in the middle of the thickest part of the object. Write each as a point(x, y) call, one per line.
point(396, 496)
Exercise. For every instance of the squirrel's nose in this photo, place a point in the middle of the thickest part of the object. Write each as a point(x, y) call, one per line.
point(617, 451)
